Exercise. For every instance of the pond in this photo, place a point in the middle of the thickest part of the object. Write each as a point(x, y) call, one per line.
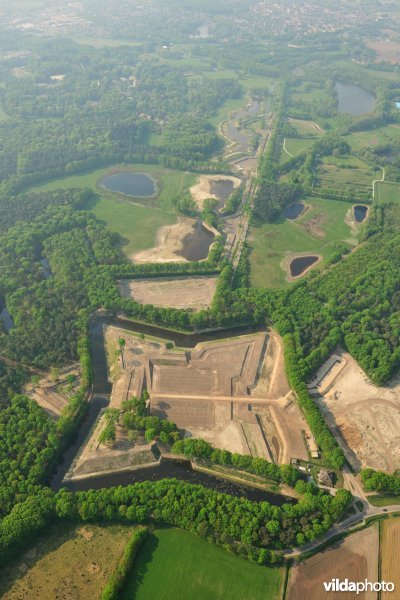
point(222, 189)
point(135, 185)
point(301, 263)
point(236, 135)
point(182, 470)
point(360, 212)
point(353, 99)
point(196, 244)
point(293, 210)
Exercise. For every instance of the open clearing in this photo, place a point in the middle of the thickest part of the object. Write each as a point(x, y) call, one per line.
point(202, 188)
point(389, 554)
point(386, 50)
point(170, 243)
point(177, 292)
point(313, 232)
point(306, 127)
point(68, 562)
point(355, 557)
point(177, 564)
point(365, 418)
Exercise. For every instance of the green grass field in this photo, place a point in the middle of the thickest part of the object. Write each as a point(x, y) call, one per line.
point(136, 224)
point(387, 191)
point(170, 183)
point(294, 146)
point(315, 231)
point(305, 127)
point(176, 564)
point(379, 500)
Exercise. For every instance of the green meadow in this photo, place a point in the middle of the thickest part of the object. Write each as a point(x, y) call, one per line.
point(176, 564)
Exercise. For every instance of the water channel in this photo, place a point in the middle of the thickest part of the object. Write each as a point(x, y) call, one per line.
point(134, 185)
point(222, 189)
point(353, 99)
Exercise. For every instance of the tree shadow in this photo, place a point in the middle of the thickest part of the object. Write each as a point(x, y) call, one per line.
point(140, 568)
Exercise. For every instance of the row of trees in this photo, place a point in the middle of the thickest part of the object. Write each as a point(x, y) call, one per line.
point(257, 531)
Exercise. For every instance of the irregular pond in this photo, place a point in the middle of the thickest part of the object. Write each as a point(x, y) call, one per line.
point(353, 99)
point(135, 185)
point(301, 263)
point(196, 244)
point(222, 189)
point(182, 470)
point(360, 212)
point(293, 210)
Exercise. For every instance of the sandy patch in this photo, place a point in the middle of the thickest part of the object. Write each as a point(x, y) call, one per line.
point(177, 292)
point(315, 225)
point(169, 243)
point(202, 188)
point(365, 418)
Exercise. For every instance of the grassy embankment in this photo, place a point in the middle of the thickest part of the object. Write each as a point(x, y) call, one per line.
point(177, 564)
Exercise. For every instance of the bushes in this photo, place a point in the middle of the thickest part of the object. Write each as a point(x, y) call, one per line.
point(116, 581)
point(380, 482)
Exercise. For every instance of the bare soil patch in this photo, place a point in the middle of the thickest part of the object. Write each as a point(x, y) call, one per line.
point(386, 50)
point(177, 292)
point(169, 243)
point(365, 418)
point(356, 557)
point(315, 226)
point(202, 188)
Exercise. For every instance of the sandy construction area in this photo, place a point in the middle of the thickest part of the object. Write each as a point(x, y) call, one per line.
point(176, 292)
point(202, 188)
point(355, 557)
point(169, 243)
point(365, 418)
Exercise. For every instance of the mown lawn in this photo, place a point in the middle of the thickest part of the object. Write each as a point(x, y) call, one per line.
point(315, 231)
point(179, 565)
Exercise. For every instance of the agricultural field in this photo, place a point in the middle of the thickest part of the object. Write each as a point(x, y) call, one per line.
point(69, 562)
point(387, 191)
point(178, 564)
point(343, 175)
point(389, 557)
point(180, 292)
point(316, 230)
point(355, 557)
point(387, 50)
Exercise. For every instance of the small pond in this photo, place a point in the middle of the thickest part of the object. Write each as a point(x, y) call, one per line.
point(196, 244)
point(135, 185)
point(360, 212)
point(293, 210)
point(222, 189)
point(353, 99)
point(301, 263)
